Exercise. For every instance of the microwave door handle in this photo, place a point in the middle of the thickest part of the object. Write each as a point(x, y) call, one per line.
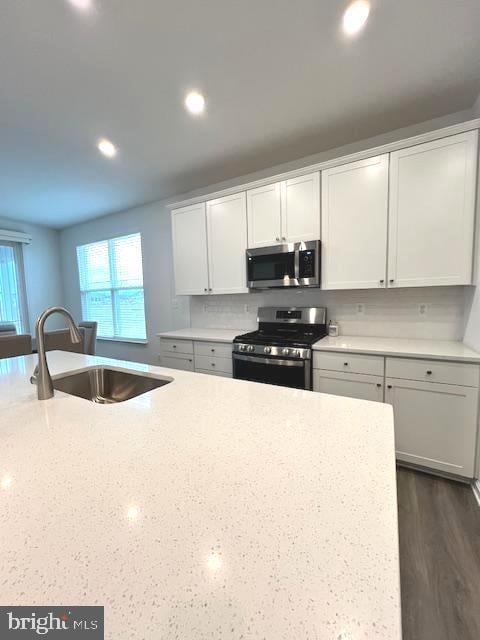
point(297, 264)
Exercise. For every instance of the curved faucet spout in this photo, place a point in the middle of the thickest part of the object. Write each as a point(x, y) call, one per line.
point(41, 375)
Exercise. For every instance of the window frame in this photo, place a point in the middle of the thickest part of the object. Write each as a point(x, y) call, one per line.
point(21, 283)
point(113, 290)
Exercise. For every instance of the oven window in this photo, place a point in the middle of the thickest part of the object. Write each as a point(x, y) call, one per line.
point(271, 266)
point(270, 373)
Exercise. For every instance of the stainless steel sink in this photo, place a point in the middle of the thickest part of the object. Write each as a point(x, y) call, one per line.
point(107, 386)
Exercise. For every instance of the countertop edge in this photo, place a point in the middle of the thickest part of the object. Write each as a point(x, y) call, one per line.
point(202, 335)
point(421, 354)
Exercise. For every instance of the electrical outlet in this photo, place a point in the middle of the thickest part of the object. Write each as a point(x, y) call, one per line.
point(360, 309)
point(422, 309)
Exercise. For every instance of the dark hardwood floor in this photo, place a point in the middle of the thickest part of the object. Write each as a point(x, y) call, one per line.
point(439, 523)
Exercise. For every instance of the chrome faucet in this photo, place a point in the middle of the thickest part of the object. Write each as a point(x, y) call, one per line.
point(41, 376)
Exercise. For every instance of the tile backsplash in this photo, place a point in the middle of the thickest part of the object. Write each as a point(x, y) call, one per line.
point(428, 313)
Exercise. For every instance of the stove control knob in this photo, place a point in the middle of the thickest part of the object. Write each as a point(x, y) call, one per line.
point(296, 353)
point(267, 350)
point(285, 352)
point(250, 348)
point(243, 347)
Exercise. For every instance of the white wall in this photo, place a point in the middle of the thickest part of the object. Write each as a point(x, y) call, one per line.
point(163, 312)
point(388, 313)
point(41, 261)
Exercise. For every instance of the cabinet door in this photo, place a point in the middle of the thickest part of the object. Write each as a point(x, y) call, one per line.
point(356, 385)
point(227, 243)
point(301, 208)
point(189, 239)
point(354, 225)
point(263, 206)
point(432, 200)
point(435, 424)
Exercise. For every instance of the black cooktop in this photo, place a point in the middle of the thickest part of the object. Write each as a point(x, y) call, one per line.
point(283, 336)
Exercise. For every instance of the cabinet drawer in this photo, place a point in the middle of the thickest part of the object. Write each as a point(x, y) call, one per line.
point(214, 373)
point(348, 362)
point(215, 349)
point(176, 363)
point(208, 363)
point(168, 345)
point(351, 385)
point(456, 373)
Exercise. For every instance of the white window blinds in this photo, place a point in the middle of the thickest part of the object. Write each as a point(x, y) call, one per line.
point(111, 286)
point(12, 299)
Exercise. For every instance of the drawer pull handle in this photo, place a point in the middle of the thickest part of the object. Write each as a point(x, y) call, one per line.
point(345, 364)
point(212, 350)
point(389, 386)
point(382, 281)
point(190, 360)
point(429, 373)
point(378, 385)
point(174, 346)
point(213, 364)
point(391, 281)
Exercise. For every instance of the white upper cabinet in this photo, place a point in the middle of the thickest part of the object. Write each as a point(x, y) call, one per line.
point(264, 216)
point(301, 208)
point(432, 200)
point(287, 211)
point(189, 238)
point(227, 242)
point(354, 224)
point(400, 219)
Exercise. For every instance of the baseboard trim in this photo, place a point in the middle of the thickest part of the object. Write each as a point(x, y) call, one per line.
point(433, 472)
point(476, 490)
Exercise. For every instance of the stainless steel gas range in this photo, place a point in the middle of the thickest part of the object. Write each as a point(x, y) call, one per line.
point(280, 351)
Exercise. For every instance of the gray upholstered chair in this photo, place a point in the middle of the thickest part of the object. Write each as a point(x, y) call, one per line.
point(15, 345)
point(60, 340)
point(7, 329)
point(90, 336)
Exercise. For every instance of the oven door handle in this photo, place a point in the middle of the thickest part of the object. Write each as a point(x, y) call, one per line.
point(283, 363)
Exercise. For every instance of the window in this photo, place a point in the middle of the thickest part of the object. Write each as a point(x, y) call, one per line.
point(111, 286)
point(12, 291)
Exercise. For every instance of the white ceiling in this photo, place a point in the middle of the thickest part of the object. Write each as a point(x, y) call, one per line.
point(280, 79)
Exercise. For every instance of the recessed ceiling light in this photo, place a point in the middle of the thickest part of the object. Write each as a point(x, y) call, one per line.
point(107, 148)
point(355, 16)
point(195, 102)
point(83, 5)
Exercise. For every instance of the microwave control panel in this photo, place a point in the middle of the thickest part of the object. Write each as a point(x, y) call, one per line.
point(307, 264)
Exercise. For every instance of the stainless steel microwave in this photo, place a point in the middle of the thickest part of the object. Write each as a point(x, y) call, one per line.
point(294, 264)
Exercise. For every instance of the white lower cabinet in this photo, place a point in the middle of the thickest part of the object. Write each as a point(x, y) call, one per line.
point(177, 362)
point(352, 385)
point(435, 424)
point(200, 356)
point(435, 404)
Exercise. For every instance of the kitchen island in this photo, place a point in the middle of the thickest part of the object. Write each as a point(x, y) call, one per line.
point(207, 508)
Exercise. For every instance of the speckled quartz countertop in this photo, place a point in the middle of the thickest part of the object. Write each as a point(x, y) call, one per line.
point(209, 335)
point(404, 347)
point(210, 508)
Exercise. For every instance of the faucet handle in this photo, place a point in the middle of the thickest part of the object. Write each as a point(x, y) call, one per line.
point(34, 376)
